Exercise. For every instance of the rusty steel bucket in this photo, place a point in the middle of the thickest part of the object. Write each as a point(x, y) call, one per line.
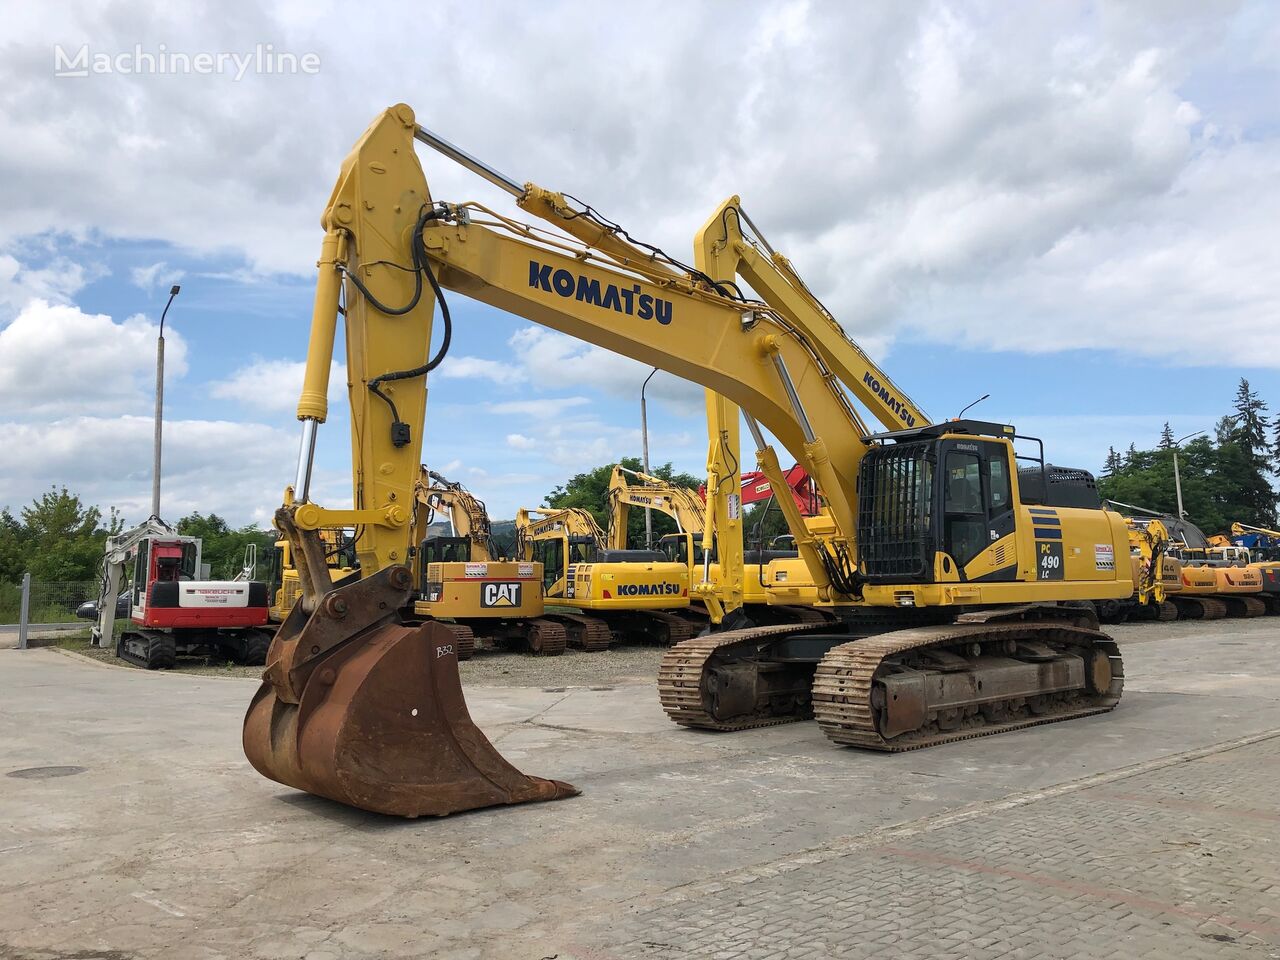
point(360, 708)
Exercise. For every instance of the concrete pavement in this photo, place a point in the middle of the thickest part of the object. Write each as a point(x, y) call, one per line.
point(1079, 839)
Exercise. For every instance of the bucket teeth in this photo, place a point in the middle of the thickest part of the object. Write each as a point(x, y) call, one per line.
point(381, 724)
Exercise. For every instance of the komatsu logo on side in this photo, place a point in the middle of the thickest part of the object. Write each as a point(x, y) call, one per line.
point(628, 300)
point(896, 405)
point(648, 589)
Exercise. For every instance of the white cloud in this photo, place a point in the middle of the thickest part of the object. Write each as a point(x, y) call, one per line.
point(477, 368)
point(950, 155)
point(273, 386)
point(538, 409)
point(572, 361)
point(156, 275)
point(518, 441)
point(57, 360)
point(57, 282)
point(237, 470)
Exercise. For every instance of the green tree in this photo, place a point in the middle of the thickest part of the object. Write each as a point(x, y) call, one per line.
point(222, 547)
point(1166, 437)
point(61, 539)
point(1114, 464)
point(761, 522)
point(590, 491)
point(13, 548)
point(1251, 422)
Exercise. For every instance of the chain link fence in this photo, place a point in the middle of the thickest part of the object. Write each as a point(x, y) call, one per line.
point(51, 602)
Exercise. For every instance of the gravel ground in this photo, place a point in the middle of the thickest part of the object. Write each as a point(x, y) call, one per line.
point(573, 668)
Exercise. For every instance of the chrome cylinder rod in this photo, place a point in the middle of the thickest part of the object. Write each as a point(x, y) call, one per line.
point(306, 458)
point(458, 155)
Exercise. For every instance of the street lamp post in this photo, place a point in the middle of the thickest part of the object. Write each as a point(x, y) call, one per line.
point(644, 447)
point(155, 453)
point(1177, 478)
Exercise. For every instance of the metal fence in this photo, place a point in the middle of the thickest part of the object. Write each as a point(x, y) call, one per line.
point(48, 602)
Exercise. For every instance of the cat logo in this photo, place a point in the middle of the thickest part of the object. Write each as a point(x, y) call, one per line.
point(500, 595)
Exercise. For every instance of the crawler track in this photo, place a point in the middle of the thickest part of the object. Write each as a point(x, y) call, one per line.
point(682, 671)
point(584, 633)
point(677, 628)
point(149, 649)
point(844, 700)
point(546, 637)
point(1200, 608)
point(464, 639)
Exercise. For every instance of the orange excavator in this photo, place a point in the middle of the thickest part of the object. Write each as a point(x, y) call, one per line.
point(957, 584)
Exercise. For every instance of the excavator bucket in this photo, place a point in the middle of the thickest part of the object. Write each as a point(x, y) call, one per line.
point(363, 709)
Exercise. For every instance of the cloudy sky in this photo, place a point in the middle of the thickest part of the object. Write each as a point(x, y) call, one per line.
point(1070, 206)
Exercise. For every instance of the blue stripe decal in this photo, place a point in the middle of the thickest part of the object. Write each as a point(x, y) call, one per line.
point(1046, 534)
point(1047, 521)
point(1043, 513)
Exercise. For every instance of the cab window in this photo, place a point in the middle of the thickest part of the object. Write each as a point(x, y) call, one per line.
point(964, 483)
point(1001, 497)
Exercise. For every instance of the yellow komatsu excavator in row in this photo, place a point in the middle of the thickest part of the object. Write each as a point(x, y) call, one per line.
point(959, 587)
point(632, 595)
point(695, 543)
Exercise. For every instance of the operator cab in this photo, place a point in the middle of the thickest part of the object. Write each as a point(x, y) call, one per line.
point(558, 554)
point(676, 547)
point(947, 488)
point(445, 550)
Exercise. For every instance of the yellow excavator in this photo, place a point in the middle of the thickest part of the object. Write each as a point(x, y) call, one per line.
point(1258, 548)
point(960, 586)
point(337, 557)
point(634, 595)
point(1156, 577)
point(695, 544)
point(481, 595)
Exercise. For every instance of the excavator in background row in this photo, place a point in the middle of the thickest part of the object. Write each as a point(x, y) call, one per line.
point(624, 595)
point(338, 556)
point(1156, 576)
point(1263, 544)
point(1257, 548)
point(756, 488)
point(1211, 587)
point(463, 583)
point(1235, 588)
point(959, 586)
point(172, 611)
point(695, 545)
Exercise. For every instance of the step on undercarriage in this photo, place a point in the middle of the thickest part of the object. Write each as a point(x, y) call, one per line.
point(885, 683)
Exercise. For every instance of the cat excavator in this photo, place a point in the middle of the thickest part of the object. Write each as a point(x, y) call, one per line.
point(480, 595)
point(960, 590)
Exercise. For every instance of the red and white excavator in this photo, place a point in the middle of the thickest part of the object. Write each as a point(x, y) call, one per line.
point(170, 610)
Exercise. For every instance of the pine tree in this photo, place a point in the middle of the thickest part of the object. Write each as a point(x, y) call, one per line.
point(1131, 455)
point(1113, 464)
point(1251, 422)
point(1166, 437)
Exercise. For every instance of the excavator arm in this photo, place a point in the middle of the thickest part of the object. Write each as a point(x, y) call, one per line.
point(467, 513)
